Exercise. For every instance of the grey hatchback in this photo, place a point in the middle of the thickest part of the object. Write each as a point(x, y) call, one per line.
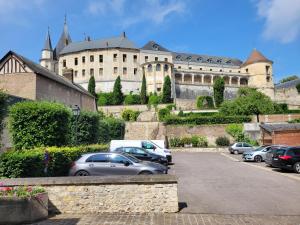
point(240, 147)
point(105, 164)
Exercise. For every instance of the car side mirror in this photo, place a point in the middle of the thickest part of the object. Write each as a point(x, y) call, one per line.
point(126, 163)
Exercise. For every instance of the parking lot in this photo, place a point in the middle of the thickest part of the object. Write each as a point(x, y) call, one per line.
point(216, 183)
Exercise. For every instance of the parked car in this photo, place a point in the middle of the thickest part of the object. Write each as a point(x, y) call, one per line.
point(240, 147)
point(259, 154)
point(287, 159)
point(143, 154)
point(269, 154)
point(151, 146)
point(103, 164)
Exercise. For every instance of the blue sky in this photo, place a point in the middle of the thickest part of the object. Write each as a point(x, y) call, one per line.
point(221, 27)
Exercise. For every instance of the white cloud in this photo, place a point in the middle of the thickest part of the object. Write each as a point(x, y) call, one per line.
point(130, 12)
point(11, 11)
point(282, 19)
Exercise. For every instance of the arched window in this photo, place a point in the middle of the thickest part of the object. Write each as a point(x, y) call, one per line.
point(158, 67)
point(166, 68)
point(149, 68)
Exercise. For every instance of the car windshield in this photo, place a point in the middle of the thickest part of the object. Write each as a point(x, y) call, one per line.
point(259, 148)
point(132, 158)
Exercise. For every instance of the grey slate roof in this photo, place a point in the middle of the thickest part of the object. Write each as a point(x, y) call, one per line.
point(153, 46)
point(280, 126)
point(114, 42)
point(48, 45)
point(64, 40)
point(186, 57)
point(288, 84)
point(47, 73)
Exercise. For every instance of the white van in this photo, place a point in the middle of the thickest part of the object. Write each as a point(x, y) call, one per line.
point(150, 145)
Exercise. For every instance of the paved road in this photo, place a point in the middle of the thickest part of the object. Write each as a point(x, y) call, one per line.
point(212, 183)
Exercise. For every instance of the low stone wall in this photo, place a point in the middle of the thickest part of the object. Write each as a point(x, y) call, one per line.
point(276, 118)
point(115, 194)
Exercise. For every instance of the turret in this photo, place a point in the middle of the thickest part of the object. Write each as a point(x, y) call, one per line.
point(46, 59)
point(260, 70)
point(63, 41)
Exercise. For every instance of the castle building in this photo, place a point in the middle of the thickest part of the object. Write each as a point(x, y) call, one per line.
point(191, 74)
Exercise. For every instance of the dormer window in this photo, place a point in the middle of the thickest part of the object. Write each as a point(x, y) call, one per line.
point(219, 61)
point(228, 62)
point(199, 59)
point(178, 57)
point(189, 58)
point(209, 60)
point(155, 47)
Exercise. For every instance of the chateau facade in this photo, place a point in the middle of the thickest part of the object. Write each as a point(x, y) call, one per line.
point(191, 74)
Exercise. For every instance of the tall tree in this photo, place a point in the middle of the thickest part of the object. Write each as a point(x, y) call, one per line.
point(166, 95)
point(219, 87)
point(289, 78)
point(92, 86)
point(117, 95)
point(143, 91)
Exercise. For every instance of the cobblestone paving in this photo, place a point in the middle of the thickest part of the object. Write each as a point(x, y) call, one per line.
point(170, 219)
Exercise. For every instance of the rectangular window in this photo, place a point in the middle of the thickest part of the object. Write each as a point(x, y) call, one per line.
point(64, 63)
point(76, 73)
point(247, 70)
point(190, 68)
point(166, 59)
point(268, 70)
point(115, 57)
point(135, 58)
point(156, 58)
point(76, 61)
point(146, 58)
point(83, 73)
point(91, 72)
point(100, 71)
point(179, 67)
point(124, 70)
point(83, 59)
point(115, 70)
point(124, 57)
point(91, 58)
point(101, 58)
point(135, 71)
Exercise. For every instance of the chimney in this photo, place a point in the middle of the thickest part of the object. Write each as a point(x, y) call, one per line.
point(68, 73)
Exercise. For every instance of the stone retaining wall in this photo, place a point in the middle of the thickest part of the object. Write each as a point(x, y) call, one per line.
point(116, 194)
point(199, 149)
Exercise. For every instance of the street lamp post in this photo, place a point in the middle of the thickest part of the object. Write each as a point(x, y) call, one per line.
point(76, 113)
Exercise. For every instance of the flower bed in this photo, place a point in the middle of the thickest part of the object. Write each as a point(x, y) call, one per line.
point(19, 205)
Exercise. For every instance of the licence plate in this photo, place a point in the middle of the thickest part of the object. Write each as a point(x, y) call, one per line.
point(275, 159)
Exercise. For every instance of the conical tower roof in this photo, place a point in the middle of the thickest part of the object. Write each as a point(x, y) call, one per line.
point(64, 40)
point(256, 57)
point(48, 45)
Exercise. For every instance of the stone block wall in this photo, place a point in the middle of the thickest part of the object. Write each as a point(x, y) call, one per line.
point(116, 194)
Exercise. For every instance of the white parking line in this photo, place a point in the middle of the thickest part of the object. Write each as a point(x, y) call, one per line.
point(260, 167)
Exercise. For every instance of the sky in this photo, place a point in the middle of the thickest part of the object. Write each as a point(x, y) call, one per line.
point(231, 28)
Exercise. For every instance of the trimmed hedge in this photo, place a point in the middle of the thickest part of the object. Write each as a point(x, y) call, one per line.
point(105, 99)
point(130, 115)
point(36, 124)
point(30, 163)
point(193, 120)
point(205, 102)
point(132, 99)
point(85, 128)
point(111, 128)
point(163, 113)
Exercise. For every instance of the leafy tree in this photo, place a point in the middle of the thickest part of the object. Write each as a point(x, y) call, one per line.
point(144, 91)
point(219, 87)
point(289, 78)
point(92, 86)
point(166, 95)
point(117, 96)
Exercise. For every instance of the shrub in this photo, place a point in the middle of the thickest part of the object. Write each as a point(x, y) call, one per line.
point(195, 141)
point(29, 163)
point(171, 106)
point(35, 124)
point(132, 99)
point(280, 108)
point(85, 128)
point(295, 121)
point(205, 102)
point(198, 120)
point(163, 113)
point(130, 115)
point(234, 130)
point(181, 114)
point(116, 128)
point(222, 141)
point(176, 142)
point(219, 87)
point(105, 99)
point(154, 100)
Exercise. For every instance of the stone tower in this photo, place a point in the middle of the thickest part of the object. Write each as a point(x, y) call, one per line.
point(260, 70)
point(47, 59)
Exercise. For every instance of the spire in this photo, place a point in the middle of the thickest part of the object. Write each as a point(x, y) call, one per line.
point(255, 57)
point(64, 39)
point(48, 45)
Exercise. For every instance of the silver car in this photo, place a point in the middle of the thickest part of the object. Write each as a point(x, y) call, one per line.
point(106, 164)
point(240, 147)
point(259, 154)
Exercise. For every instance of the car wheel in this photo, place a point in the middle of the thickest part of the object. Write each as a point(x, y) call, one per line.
point(82, 173)
point(145, 173)
point(236, 152)
point(297, 167)
point(257, 158)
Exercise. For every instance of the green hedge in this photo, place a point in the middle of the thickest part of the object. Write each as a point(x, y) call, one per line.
point(163, 113)
point(3, 98)
point(85, 128)
point(105, 99)
point(130, 115)
point(194, 141)
point(111, 128)
point(193, 120)
point(205, 102)
point(35, 124)
point(132, 99)
point(29, 163)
